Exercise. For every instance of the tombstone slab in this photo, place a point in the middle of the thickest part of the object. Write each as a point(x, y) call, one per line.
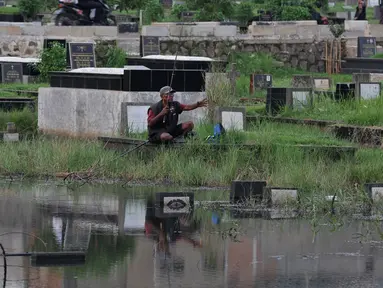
point(366, 47)
point(322, 83)
point(260, 81)
point(11, 73)
point(82, 55)
point(302, 81)
point(231, 118)
point(11, 137)
point(344, 91)
point(369, 90)
point(374, 193)
point(134, 117)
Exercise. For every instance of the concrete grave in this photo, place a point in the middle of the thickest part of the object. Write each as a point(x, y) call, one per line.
point(294, 98)
point(302, 81)
point(369, 90)
point(242, 191)
point(276, 196)
point(376, 77)
point(11, 73)
point(170, 205)
point(92, 113)
point(134, 117)
point(322, 84)
point(231, 118)
point(150, 45)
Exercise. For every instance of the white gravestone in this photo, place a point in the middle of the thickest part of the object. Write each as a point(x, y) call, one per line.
point(232, 120)
point(137, 118)
point(177, 205)
point(135, 212)
point(369, 90)
point(322, 84)
point(377, 194)
point(300, 99)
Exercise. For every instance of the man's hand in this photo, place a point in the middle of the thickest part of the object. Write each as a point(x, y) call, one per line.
point(202, 103)
point(165, 111)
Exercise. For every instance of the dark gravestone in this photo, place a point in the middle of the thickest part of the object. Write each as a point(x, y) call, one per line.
point(86, 80)
point(11, 73)
point(275, 99)
point(366, 47)
point(153, 80)
point(150, 45)
point(128, 27)
point(2, 3)
point(344, 91)
point(243, 191)
point(179, 64)
point(187, 15)
point(262, 81)
point(82, 55)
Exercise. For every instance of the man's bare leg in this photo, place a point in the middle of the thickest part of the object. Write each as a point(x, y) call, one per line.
point(166, 137)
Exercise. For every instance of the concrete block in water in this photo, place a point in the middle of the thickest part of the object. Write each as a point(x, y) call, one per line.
point(11, 137)
point(242, 191)
point(277, 196)
point(173, 204)
point(231, 118)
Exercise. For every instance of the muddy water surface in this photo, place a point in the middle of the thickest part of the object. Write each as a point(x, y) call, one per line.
point(128, 244)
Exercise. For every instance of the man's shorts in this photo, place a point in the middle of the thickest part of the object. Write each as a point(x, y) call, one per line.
point(156, 138)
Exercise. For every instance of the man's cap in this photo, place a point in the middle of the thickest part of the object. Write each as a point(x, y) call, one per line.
point(166, 90)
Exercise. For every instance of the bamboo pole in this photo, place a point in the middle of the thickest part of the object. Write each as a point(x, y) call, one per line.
point(336, 57)
point(331, 52)
point(340, 55)
point(326, 57)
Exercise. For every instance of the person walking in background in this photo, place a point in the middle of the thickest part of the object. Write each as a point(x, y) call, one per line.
point(360, 13)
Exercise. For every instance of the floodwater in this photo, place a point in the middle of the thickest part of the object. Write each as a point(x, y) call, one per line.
point(128, 243)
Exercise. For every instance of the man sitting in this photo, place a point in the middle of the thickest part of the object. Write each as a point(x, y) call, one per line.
point(163, 117)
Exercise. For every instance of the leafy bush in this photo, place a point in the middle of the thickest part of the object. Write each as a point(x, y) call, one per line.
point(51, 59)
point(177, 9)
point(153, 11)
point(30, 8)
point(116, 57)
point(244, 12)
point(295, 13)
point(211, 10)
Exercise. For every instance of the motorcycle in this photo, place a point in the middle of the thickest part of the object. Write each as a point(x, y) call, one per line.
point(70, 13)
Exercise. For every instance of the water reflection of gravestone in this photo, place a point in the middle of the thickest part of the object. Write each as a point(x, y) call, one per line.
point(369, 90)
point(173, 204)
point(77, 235)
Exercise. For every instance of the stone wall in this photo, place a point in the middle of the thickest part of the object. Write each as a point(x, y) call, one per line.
point(305, 54)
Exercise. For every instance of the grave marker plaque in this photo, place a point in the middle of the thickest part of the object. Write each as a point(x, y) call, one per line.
point(82, 55)
point(12, 73)
point(366, 47)
point(150, 45)
point(322, 84)
point(300, 99)
point(369, 90)
point(261, 81)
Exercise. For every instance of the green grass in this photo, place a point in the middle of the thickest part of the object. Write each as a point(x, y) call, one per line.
point(25, 120)
point(364, 112)
point(9, 10)
point(193, 166)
